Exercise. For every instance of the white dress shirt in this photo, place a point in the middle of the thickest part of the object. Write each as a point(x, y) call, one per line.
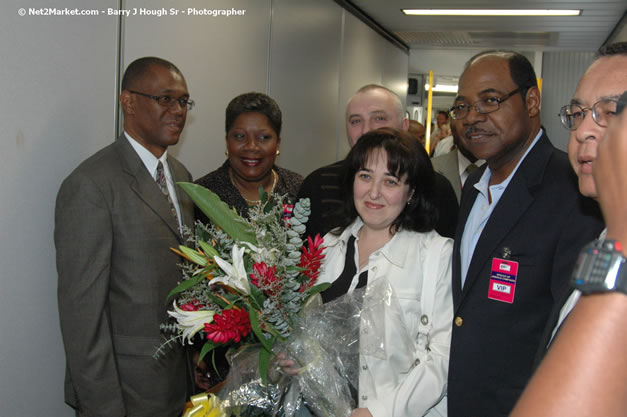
point(151, 162)
point(444, 146)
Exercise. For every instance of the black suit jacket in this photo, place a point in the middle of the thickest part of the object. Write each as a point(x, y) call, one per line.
point(544, 221)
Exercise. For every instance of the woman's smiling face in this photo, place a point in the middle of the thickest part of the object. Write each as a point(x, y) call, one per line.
point(252, 144)
point(380, 196)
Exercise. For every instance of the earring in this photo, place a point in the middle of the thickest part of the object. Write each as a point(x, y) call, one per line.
point(409, 201)
point(278, 152)
point(226, 152)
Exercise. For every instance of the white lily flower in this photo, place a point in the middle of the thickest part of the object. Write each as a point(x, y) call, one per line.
point(191, 322)
point(269, 256)
point(236, 276)
point(252, 247)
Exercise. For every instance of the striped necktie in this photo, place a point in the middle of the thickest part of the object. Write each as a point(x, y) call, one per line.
point(163, 186)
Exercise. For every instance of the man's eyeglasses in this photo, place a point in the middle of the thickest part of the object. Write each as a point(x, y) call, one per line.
point(168, 101)
point(602, 111)
point(485, 106)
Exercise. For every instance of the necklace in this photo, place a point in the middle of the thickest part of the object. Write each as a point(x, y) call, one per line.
point(275, 179)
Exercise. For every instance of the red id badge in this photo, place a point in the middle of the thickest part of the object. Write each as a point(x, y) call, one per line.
point(503, 280)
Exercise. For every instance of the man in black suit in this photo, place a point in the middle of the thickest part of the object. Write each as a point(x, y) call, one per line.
point(522, 223)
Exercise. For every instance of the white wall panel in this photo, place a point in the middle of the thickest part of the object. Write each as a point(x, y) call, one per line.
point(395, 70)
point(304, 80)
point(220, 57)
point(363, 59)
point(58, 75)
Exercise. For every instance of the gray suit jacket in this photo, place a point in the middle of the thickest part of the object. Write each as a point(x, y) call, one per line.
point(113, 234)
point(447, 165)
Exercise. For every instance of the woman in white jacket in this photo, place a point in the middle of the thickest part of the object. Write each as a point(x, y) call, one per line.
point(388, 233)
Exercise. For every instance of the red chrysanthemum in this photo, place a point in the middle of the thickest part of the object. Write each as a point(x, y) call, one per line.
point(264, 277)
point(310, 259)
point(232, 324)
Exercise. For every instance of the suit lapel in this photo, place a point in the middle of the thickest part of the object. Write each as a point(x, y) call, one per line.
point(144, 185)
point(513, 203)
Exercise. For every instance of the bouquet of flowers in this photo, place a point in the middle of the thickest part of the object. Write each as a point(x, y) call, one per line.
point(246, 280)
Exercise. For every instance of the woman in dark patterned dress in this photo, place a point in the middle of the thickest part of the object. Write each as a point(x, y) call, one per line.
point(253, 129)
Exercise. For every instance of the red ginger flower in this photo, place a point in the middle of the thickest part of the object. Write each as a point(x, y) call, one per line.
point(311, 259)
point(232, 324)
point(264, 277)
point(192, 306)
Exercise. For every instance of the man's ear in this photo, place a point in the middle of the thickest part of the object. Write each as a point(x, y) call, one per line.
point(405, 125)
point(533, 100)
point(127, 100)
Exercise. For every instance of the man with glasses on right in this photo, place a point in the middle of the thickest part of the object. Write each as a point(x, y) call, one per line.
point(585, 369)
point(522, 223)
point(588, 115)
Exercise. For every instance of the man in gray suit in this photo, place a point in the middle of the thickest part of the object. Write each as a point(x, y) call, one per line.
point(117, 216)
point(457, 164)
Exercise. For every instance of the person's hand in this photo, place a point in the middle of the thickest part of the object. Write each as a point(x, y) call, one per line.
point(610, 176)
point(201, 379)
point(361, 412)
point(288, 366)
point(201, 374)
point(279, 366)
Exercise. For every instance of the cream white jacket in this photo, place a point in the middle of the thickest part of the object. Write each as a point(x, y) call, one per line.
point(409, 379)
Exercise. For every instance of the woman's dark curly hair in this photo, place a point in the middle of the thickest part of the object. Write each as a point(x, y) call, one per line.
point(254, 103)
point(405, 157)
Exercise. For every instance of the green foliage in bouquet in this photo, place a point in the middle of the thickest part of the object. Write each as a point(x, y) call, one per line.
point(219, 213)
point(246, 279)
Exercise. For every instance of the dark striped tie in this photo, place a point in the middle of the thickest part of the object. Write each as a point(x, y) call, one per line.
point(163, 186)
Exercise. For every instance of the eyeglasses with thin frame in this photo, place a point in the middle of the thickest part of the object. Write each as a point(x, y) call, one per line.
point(572, 115)
point(484, 106)
point(168, 101)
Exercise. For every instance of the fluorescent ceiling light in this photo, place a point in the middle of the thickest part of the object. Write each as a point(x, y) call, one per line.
point(442, 88)
point(491, 12)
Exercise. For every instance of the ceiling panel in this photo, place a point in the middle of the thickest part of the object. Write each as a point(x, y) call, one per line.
point(585, 32)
